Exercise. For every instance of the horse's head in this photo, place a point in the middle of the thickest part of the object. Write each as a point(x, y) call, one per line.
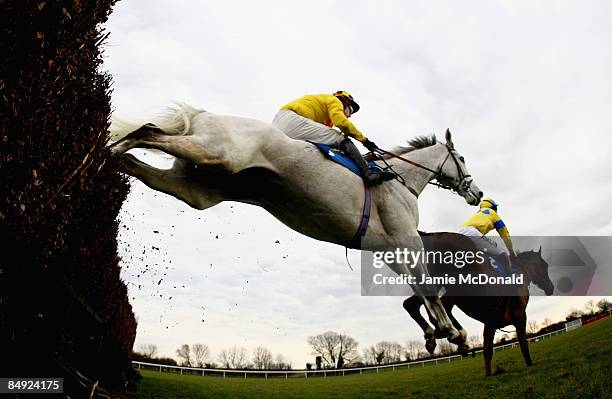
point(453, 173)
point(537, 269)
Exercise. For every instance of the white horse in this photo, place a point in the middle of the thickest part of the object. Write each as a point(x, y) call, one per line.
point(227, 158)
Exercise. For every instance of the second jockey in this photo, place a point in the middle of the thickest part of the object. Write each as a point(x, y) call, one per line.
point(482, 222)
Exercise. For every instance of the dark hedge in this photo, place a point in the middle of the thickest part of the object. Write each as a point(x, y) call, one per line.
point(63, 306)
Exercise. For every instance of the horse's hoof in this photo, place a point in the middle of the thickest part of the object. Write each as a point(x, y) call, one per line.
point(456, 339)
point(430, 345)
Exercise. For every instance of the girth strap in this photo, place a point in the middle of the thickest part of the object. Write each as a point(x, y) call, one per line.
point(365, 219)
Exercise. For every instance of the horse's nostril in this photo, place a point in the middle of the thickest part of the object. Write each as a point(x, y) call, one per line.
point(480, 194)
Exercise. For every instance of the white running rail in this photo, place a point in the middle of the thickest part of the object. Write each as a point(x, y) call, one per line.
point(325, 372)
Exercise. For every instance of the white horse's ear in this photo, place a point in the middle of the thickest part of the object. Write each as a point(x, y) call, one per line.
point(540, 251)
point(449, 141)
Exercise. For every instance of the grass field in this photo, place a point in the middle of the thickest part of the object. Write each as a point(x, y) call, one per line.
point(577, 364)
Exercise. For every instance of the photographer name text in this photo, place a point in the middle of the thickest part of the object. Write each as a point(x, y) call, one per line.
point(465, 279)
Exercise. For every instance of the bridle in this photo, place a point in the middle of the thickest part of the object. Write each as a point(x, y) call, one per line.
point(461, 182)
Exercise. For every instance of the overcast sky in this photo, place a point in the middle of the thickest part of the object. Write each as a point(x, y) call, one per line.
point(524, 86)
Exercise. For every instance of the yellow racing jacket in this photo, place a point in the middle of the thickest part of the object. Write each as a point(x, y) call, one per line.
point(322, 108)
point(485, 220)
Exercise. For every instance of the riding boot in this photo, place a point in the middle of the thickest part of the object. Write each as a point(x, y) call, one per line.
point(370, 177)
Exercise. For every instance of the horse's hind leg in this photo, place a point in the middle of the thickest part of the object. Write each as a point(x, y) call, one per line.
point(135, 138)
point(413, 306)
point(190, 148)
point(520, 326)
point(488, 334)
point(168, 182)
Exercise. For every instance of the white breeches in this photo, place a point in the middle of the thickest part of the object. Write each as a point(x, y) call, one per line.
point(493, 247)
point(299, 128)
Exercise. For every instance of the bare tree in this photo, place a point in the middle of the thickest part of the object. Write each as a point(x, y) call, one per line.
point(370, 355)
point(573, 313)
point(326, 346)
point(445, 348)
point(262, 358)
point(280, 363)
point(547, 322)
point(233, 358)
point(387, 352)
point(348, 349)
point(184, 354)
point(604, 304)
point(200, 354)
point(148, 350)
point(590, 307)
point(333, 347)
point(474, 340)
point(412, 349)
point(533, 326)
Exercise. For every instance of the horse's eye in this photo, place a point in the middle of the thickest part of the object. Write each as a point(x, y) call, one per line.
point(462, 159)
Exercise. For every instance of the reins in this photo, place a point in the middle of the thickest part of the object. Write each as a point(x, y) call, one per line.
point(437, 173)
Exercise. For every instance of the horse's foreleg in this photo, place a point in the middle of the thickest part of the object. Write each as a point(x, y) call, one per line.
point(413, 306)
point(488, 334)
point(168, 182)
point(428, 294)
point(520, 326)
point(449, 302)
point(434, 307)
point(436, 310)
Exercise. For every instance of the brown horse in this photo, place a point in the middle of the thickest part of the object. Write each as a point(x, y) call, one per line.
point(484, 305)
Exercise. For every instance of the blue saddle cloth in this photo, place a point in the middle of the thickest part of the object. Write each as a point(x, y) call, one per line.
point(500, 269)
point(338, 157)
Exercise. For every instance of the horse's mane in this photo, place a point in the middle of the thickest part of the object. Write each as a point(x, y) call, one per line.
point(414, 144)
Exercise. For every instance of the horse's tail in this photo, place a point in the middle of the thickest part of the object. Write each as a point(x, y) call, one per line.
point(175, 121)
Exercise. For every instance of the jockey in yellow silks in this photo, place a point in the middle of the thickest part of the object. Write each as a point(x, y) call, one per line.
point(482, 222)
point(312, 117)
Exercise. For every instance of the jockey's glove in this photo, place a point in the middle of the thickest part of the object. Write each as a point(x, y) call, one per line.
point(369, 145)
